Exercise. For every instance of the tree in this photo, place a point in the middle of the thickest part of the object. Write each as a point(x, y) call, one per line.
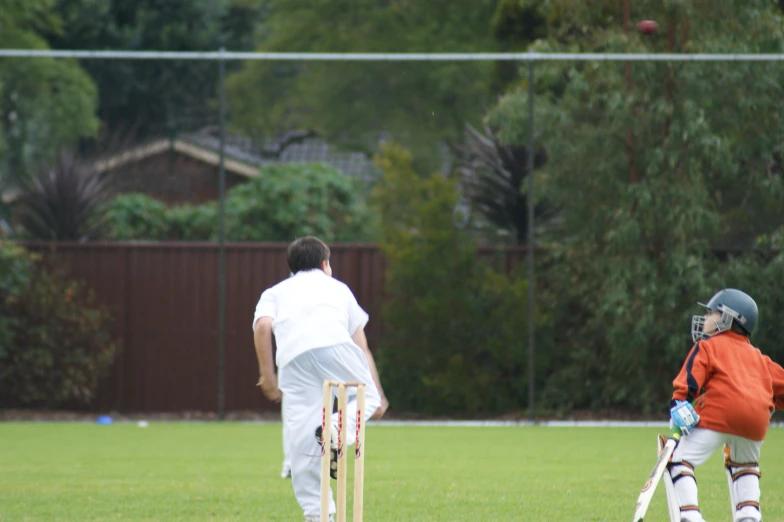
point(516, 24)
point(649, 162)
point(45, 103)
point(422, 105)
point(756, 273)
point(155, 97)
point(453, 341)
point(571, 25)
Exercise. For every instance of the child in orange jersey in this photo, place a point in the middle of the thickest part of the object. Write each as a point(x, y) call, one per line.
point(724, 397)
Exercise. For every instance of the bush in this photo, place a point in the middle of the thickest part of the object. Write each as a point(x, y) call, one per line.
point(291, 200)
point(55, 342)
point(192, 222)
point(136, 216)
point(455, 340)
point(140, 217)
point(284, 202)
point(15, 275)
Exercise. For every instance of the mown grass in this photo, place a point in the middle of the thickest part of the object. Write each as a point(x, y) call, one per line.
point(231, 471)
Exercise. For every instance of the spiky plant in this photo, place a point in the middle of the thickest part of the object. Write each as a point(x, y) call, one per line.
point(65, 203)
point(492, 175)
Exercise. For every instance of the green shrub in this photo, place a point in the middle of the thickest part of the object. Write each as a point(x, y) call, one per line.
point(136, 217)
point(291, 200)
point(284, 202)
point(455, 331)
point(192, 222)
point(55, 342)
point(15, 275)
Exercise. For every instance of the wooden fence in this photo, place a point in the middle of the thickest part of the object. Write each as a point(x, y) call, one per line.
point(164, 297)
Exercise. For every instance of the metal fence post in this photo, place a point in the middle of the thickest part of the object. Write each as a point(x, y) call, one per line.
point(531, 242)
point(221, 240)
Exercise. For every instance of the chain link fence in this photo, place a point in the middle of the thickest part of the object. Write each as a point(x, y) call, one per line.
point(645, 182)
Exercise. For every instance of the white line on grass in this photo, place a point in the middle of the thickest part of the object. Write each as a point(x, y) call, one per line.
point(552, 424)
point(501, 424)
point(397, 423)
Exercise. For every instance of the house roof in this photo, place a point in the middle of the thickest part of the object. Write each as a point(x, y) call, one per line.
point(309, 149)
point(243, 157)
point(183, 147)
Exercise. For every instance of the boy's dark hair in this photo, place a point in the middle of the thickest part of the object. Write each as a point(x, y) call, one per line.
point(738, 329)
point(307, 253)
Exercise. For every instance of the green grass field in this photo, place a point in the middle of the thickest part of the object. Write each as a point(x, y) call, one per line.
point(228, 471)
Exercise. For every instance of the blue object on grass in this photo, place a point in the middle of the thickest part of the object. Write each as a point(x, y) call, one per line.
point(104, 419)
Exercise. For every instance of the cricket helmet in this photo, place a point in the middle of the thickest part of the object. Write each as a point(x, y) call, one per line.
point(733, 305)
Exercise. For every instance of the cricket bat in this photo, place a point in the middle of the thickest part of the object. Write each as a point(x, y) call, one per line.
point(646, 495)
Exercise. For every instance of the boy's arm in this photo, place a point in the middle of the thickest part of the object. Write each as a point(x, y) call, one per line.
point(692, 376)
point(361, 340)
point(262, 338)
point(777, 374)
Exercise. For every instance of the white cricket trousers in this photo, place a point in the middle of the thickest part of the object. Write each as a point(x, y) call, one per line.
point(301, 382)
point(286, 436)
point(694, 449)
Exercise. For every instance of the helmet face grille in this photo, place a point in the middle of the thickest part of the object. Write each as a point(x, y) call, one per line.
point(697, 323)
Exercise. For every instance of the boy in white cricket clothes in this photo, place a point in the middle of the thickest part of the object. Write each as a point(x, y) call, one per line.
point(319, 331)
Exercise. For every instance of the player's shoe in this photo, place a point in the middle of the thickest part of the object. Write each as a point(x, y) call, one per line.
point(316, 519)
point(286, 471)
point(333, 450)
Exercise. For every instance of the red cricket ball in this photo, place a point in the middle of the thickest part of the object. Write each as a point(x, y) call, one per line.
point(647, 26)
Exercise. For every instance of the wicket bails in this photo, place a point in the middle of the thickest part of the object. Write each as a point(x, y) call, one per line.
point(359, 450)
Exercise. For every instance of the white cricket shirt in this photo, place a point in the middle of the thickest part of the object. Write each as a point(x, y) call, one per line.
point(310, 310)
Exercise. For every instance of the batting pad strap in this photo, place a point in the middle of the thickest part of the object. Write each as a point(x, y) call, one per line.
point(690, 508)
point(728, 463)
point(748, 503)
point(684, 463)
point(744, 472)
point(683, 474)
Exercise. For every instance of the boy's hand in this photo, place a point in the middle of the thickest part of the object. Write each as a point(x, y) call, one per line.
point(683, 416)
point(381, 409)
point(270, 389)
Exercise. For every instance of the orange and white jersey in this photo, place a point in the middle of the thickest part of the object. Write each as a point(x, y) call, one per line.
point(735, 386)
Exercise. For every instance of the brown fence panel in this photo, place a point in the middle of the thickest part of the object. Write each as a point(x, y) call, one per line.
point(164, 297)
point(164, 301)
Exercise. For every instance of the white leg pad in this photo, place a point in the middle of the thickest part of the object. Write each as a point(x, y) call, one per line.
point(743, 481)
point(685, 486)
